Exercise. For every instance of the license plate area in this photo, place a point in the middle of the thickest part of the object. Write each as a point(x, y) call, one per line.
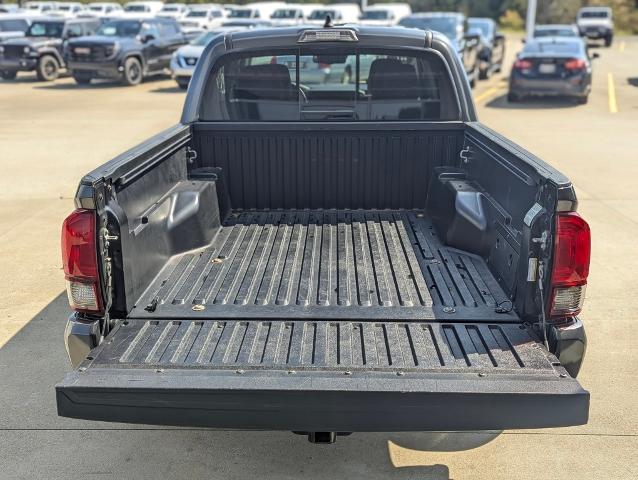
point(547, 68)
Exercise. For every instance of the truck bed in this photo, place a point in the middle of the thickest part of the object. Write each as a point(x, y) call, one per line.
point(337, 264)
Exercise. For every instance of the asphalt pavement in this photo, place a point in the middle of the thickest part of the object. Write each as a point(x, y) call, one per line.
point(51, 134)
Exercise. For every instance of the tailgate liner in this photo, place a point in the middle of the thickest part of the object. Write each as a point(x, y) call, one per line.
point(398, 377)
point(336, 264)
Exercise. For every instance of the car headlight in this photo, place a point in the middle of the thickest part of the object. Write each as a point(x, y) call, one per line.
point(112, 50)
point(26, 49)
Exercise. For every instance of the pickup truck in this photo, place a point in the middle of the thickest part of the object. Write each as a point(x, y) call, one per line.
point(128, 49)
point(326, 258)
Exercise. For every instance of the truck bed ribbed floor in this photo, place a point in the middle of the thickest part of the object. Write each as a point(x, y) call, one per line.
point(325, 264)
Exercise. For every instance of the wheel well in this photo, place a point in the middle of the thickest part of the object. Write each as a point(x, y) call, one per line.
point(135, 55)
point(54, 54)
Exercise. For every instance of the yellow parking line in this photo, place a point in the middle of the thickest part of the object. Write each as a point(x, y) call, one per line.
point(613, 105)
point(486, 94)
point(621, 47)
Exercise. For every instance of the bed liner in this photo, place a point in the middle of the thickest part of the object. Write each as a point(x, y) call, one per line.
point(337, 264)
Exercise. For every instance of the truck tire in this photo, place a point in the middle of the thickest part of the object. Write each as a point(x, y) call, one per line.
point(484, 74)
point(48, 68)
point(82, 78)
point(183, 84)
point(133, 73)
point(8, 74)
point(609, 40)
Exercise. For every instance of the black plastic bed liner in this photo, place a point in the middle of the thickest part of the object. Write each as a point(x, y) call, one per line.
point(326, 264)
point(323, 376)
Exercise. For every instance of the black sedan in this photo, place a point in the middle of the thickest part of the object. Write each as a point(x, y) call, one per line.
point(553, 66)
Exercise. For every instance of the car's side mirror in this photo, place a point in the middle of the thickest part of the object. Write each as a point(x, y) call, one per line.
point(149, 37)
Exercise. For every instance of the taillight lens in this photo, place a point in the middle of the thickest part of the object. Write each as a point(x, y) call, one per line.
point(572, 251)
point(575, 64)
point(79, 259)
point(523, 65)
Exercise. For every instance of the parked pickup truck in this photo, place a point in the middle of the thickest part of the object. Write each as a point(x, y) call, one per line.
point(128, 49)
point(326, 258)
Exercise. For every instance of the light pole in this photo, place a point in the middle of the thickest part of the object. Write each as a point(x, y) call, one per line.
point(530, 19)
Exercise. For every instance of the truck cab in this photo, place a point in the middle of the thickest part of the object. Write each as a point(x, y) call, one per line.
point(41, 48)
point(129, 49)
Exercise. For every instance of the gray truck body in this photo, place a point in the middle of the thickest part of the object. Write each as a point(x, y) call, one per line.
point(331, 276)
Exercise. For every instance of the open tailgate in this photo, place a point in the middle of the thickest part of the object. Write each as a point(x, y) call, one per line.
point(323, 376)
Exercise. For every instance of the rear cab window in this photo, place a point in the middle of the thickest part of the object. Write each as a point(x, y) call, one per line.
point(348, 85)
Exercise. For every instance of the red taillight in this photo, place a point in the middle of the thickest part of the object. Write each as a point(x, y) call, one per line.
point(575, 64)
point(324, 66)
point(572, 250)
point(79, 260)
point(522, 65)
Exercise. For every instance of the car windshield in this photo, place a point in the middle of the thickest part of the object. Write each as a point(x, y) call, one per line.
point(96, 8)
point(375, 15)
point(240, 13)
point(13, 25)
point(555, 32)
point(447, 26)
point(46, 29)
point(310, 85)
point(120, 28)
point(594, 14)
point(321, 14)
point(170, 8)
point(136, 8)
point(204, 39)
point(64, 8)
point(197, 14)
point(485, 27)
point(285, 13)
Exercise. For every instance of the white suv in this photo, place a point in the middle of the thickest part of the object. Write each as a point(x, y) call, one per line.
point(596, 23)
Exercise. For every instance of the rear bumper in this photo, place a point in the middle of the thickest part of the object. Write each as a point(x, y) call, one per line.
point(572, 86)
point(212, 374)
point(599, 32)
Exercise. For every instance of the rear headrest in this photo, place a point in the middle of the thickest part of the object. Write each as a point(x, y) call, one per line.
point(267, 82)
point(389, 78)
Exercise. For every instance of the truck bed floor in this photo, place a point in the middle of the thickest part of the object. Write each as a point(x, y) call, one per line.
point(325, 264)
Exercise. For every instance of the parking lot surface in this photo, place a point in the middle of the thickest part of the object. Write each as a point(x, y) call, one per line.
point(53, 133)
